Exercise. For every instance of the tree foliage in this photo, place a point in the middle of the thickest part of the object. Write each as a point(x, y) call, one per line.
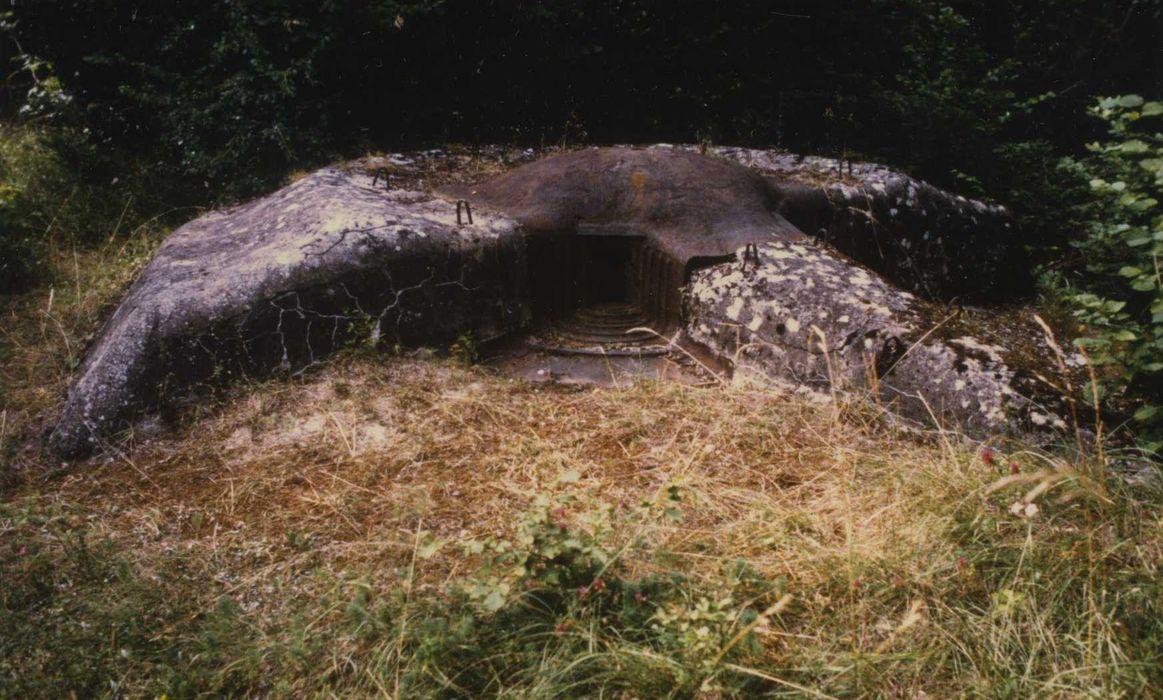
point(228, 96)
point(1120, 297)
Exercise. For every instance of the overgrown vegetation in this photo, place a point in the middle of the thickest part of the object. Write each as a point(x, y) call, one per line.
point(44, 332)
point(58, 192)
point(38, 202)
point(418, 530)
point(1120, 298)
point(413, 528)
point(228, 97)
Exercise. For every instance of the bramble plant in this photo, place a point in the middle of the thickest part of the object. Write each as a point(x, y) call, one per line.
point(561, 577)
point(1121, 308)
point(464, 351)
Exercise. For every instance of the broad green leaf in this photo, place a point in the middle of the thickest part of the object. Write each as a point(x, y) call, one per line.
point(1134, 146)
point(1151, 109)
point(429, 549)
point(1129, 271)
point(494, 601)
point(1129, 101)
point(1143, 284)
point(1146, 413)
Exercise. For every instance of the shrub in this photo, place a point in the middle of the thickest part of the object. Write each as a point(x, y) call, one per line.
point(55, 188)
point(556, 606)
point(30, 175)
point(1120, 302)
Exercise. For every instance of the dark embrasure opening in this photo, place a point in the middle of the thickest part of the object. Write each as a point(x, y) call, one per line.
point(600, 286)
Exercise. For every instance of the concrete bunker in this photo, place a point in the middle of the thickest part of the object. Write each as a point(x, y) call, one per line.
point(586, 244)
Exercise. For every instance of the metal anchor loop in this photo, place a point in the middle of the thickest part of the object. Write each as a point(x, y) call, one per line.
point(387, 178)
point(467, 210)
point(750, 253)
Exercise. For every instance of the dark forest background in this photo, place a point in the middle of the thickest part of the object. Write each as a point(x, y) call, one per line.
point(227, 96)
point(116, 112)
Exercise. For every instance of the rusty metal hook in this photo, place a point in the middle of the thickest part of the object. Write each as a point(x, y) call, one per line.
point(467, 210)
point(387, 178)
point(751, 252)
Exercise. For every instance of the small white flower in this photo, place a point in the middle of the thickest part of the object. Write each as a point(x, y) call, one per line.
point(1024, 510)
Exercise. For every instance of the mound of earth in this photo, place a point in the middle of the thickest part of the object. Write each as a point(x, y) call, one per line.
point(787, 267)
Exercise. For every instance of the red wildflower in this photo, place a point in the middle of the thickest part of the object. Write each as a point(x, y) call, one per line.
point(583, 592)
point(987, 456)
point(639, 597)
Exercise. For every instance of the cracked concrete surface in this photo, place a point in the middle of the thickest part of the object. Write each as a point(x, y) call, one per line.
point(282, 281)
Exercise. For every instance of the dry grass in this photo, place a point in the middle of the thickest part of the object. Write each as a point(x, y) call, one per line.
point(369, 448)
point(43, 333)
point(908, 574)
point(890, 548)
